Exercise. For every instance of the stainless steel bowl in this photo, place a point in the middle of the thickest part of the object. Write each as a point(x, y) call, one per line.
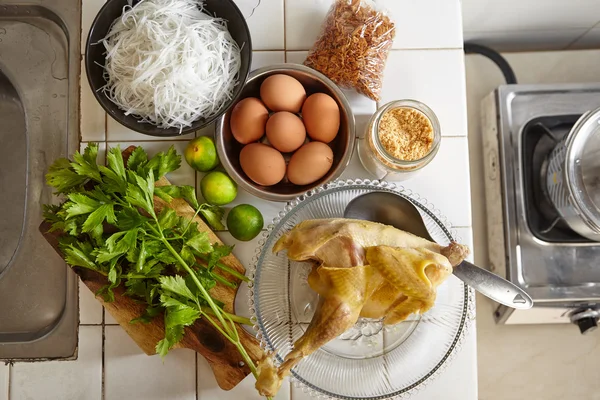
point(343, 145)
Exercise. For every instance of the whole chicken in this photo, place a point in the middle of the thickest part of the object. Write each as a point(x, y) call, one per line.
point(360, 269)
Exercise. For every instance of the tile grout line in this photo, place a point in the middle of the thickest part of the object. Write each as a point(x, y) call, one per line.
point(196, 363)
point(10, 372)
point(149, 140)
point(268, 51)
point(81, 61)
point(391, 50)
point(284, 33)
point(103, 386)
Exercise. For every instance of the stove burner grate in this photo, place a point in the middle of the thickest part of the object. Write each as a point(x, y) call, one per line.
point(539, 137)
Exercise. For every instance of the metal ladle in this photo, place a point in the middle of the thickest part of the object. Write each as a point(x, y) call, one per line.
point(391, 209)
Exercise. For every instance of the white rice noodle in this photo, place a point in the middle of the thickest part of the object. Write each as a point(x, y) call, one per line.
point(169, 63)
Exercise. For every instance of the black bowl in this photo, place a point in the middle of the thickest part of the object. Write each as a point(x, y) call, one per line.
point(95, 59)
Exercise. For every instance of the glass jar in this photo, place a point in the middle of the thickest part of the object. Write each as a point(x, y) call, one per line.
point(379, 162)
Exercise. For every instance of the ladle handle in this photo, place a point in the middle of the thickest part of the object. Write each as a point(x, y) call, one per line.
point(493, 286)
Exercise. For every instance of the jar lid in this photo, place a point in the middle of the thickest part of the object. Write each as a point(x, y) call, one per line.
point(582, 167)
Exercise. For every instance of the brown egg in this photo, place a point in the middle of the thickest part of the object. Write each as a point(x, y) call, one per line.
point(282, 93)
point(263, 164)
point(285, 131)
point(248, 120)
point(321, 116)
point(310, 163)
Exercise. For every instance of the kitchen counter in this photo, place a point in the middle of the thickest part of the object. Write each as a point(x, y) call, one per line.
point(426, 64)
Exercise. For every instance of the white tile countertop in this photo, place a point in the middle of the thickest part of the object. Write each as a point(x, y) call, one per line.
point(426, 64)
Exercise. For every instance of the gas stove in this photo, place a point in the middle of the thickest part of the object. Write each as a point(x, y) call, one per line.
point(529, 244)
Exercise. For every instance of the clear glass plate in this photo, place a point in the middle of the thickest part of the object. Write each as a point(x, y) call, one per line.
point(369, 361)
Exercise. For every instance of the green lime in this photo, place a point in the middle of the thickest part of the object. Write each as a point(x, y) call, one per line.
point(218, 188)
point(244, 222)
point(201, 154)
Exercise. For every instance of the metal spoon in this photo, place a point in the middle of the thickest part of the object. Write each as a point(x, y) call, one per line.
point(391, 209)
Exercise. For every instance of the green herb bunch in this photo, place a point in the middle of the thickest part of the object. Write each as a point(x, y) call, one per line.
point(108, 224)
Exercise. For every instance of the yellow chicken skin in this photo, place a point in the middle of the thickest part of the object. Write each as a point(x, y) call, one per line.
point(361, 269)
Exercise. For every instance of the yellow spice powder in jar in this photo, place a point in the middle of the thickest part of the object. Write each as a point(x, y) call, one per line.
point(405, 133)
point(403, 136)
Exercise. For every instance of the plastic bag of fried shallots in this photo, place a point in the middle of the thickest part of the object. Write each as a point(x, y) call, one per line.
point(353, 46)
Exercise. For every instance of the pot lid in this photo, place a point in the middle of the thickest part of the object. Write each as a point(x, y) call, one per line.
point(582, 167)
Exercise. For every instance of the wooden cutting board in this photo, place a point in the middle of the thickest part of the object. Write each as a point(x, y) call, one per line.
point(202, 337)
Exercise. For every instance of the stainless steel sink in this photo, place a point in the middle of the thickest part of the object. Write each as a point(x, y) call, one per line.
point(39, 116)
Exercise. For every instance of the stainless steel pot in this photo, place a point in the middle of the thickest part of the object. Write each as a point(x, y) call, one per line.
point(573, 176)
